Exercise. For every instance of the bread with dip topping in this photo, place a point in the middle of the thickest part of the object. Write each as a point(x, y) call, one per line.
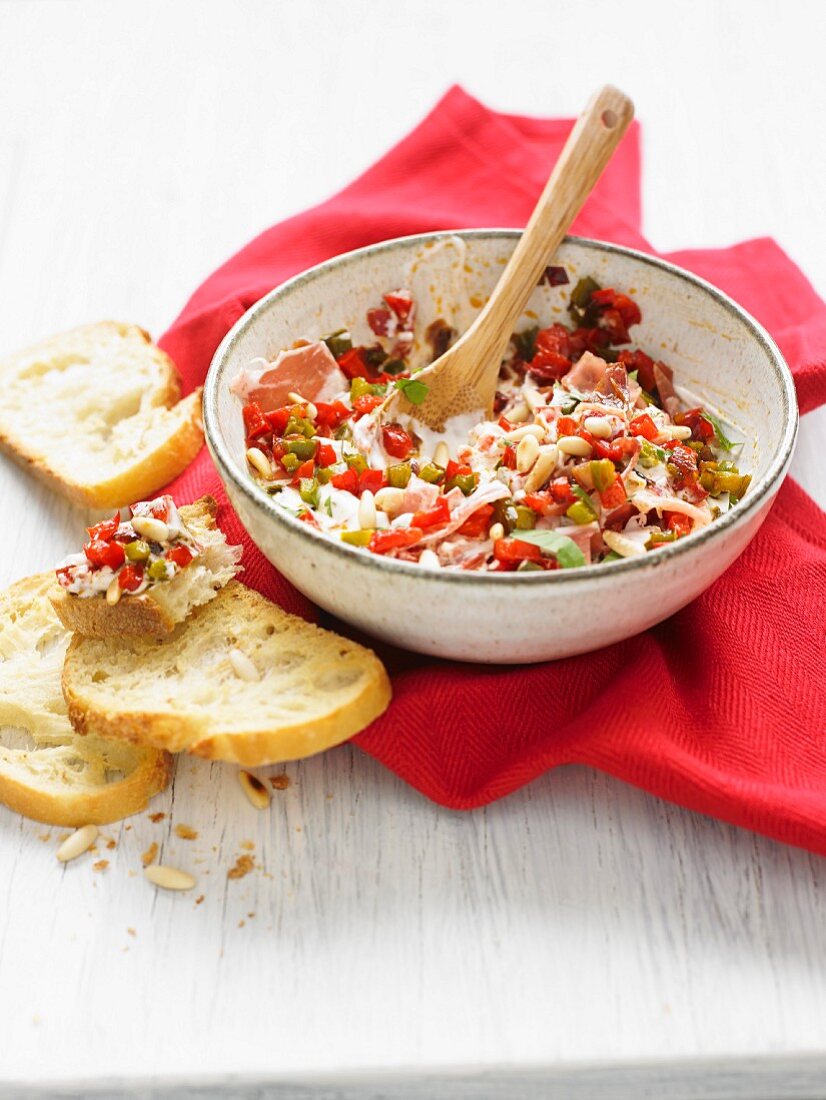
point(47, 771)
point(241, 680)
point(96, 413)
point(157, 610)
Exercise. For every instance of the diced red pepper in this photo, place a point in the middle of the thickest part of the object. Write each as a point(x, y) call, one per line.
point(307, 517)
point(401, 302)
point(180, 555)
point(566, 425)
point(306, 469)
point(331, 415)
point(560, 489)
point(546, 504)
point(325, 455)
point(365, 404)
point(627, 310)
point(105, 530)
point(381, 321)
point(509, 458)
point(393, 539)
point(371, 479)
point(353, 364)
point(678, 523)
point(101, 554)
point(552, 354)
point(613, 324)
point(644, 366)
point(348, 480)
point(255, 422)
point(614, 495)
point(513, 550)
point(277, 419)
point(505, 424)
point(643, 425)
point(457, 469)
point(477, 523)
point(131, 576)
point(432, 517)
point(606, 448)
point(701, 429)
point(397, 442)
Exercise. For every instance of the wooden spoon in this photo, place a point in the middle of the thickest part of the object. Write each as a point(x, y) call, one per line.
point(464, 379)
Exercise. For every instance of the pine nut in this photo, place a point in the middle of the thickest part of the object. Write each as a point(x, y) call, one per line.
point(598, 426)
point(441, 456)
point(260, 463)
point(429, 559)
point(679, 431)
point(367, 511)
point(497, 531)
point(150, 528)
point(519, 413)
point(542, 470)
point(79, 842)
point(526, 429)
point(527, 453)
point(574, 445)
point(620, 544)
point(389, 500)
point(168, 878)
point(297, 399)
point(113, 592)
point(242, 666)
point(254, 789)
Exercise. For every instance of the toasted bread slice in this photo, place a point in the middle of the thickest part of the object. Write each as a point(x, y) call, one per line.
point(96, 413)
point(163, 605)
point(240, 680)
point(47, 771)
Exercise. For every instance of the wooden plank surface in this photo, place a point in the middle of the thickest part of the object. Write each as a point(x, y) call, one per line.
point(555, 942)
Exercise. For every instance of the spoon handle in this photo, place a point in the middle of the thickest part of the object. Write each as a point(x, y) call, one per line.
point(595, 136)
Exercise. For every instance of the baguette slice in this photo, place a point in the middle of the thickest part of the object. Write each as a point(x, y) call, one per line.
point(162, 606)
point(47, 772)
point(240, 680)
point(96, 413)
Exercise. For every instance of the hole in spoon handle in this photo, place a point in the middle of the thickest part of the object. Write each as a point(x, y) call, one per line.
point(609, 119)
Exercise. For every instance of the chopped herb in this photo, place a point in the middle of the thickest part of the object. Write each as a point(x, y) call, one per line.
point(565, 550)
point(414, 391)
point(328, 507)
point(339, 342)
point(723, 440)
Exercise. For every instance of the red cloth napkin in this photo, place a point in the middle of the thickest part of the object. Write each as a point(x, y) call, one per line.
point(723, 707)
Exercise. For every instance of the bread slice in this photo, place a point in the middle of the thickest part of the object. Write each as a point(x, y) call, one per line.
point(163, 605)
point(96, 413)
point(47, 771)
point(240, 680)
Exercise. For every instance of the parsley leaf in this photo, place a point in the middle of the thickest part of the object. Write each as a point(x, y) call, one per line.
point(726, 443)
point(565, 550)
point(414, 391)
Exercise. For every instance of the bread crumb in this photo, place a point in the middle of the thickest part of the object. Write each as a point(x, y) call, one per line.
point(243, 866)
point(131, 931)
point(186, 832)
point(250, 915)
point(280, 782)
point(248, 845)
point(241, 923)
point(156, 817)
point(101, 865)
point(149, 855)
point(199, 899)
point(110, 844)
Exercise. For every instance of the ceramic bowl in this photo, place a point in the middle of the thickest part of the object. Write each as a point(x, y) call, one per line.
point(719, 354)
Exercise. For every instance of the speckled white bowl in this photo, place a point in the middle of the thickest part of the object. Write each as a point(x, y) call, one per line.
point(719, 353)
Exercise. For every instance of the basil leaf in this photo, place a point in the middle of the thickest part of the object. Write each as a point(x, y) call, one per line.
point(565, 550)
point(414, 391)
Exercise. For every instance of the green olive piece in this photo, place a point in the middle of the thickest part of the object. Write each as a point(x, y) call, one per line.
point(137, 550)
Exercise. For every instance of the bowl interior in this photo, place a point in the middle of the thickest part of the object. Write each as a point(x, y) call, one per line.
point(720, 356)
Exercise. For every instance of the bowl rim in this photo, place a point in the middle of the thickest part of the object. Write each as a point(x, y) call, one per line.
point(759, 496)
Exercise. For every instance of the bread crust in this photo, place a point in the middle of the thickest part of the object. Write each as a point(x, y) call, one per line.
point(134, 615)
point(148, 474)
point(185, 731)
point(95, 806)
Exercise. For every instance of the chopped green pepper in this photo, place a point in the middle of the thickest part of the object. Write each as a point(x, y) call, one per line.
point(580, 306)
point(657, 538)
point(526, 343)
point(394, 366)
point(157, 570)
point(399, 475)
point(580, 513)
point(650, 455)
point(138, 550)
point(527, 566)
point(525, 518)
point(290, 462)
point(360, 387)
point(504, 512)
point(324, 475)
point(603, 474)
point(465, 482)
point(308, 491)
point(302, 448)
point(356, 462)
point(431, 473)
point(297, 425)
point(356, 538)
point(338, 342)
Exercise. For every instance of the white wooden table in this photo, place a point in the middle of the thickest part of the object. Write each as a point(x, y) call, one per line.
point(578, 939)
